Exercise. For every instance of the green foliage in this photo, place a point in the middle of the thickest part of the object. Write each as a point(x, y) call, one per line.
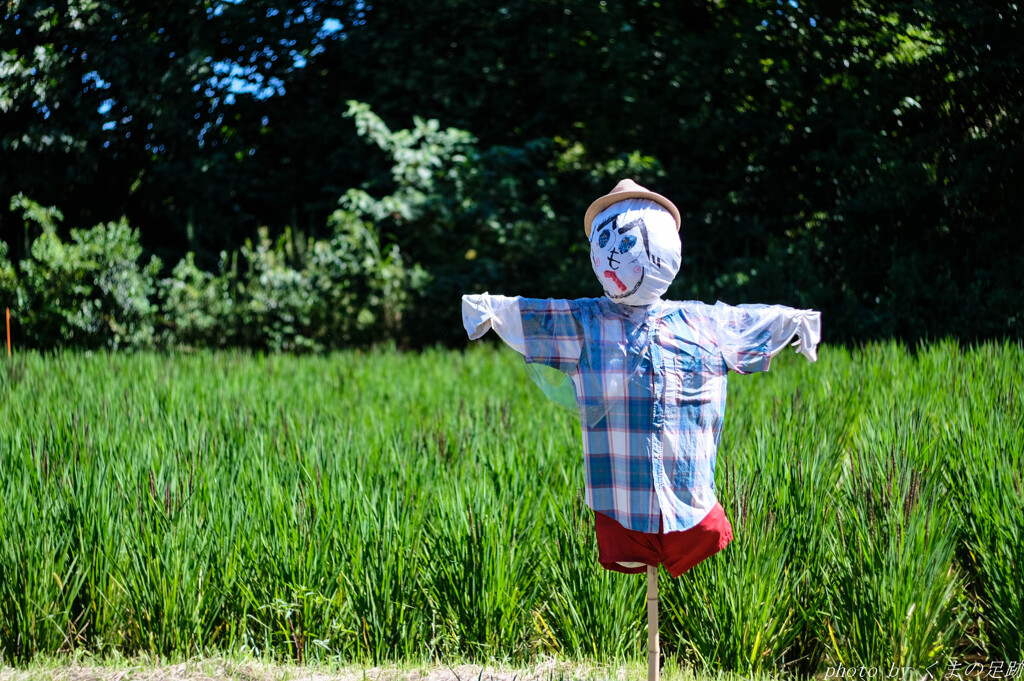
point(421, 160)
point(169, 114)
point(480, 218)
point(587, 614)
point(8, 280)
point(895, 590)
point(91, 292)
point(985, 479)
point(292, 295)
point(45, 218)
point(372, 506)
point(860, 159)
point(725, 613)
point(195, 306)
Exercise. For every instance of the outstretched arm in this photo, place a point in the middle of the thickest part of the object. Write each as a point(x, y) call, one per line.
point(544, 331)
point(750, 335)
point(483, 311)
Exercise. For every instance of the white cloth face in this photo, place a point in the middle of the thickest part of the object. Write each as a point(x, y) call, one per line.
point(635, 251)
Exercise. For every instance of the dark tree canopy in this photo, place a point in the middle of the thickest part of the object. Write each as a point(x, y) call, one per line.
point(861, 158)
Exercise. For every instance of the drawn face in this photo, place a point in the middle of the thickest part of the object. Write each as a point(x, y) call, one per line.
point(635, 251)
point(618, 256)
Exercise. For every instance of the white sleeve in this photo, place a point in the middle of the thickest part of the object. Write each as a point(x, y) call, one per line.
point(806, 324)
point(750, 335)
point(501, 313)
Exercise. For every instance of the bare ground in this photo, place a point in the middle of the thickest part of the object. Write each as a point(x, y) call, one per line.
point(230, 670)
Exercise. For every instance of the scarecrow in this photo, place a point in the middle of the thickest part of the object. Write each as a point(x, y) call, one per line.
point(648, 377)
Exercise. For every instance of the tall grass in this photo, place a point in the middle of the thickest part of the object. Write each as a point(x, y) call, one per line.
point(755, 607)
point(983, 439)
point(385, 506)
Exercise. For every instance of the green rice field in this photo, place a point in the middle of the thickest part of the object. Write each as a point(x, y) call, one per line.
point(376, 507)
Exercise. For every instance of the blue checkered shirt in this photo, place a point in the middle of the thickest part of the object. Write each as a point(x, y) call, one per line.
point(650, 384)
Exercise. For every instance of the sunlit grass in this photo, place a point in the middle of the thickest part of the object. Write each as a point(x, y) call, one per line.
point(427, 508)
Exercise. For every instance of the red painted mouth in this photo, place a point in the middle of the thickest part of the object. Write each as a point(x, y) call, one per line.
point(608, 274)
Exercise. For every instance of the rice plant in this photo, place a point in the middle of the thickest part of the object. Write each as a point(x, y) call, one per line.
point(895, 588)
point(984, 446)
point(753, 607)
point(384, 506)
point(586, 612)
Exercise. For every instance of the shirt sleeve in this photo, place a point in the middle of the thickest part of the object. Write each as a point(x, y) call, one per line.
point(552, 333)
point(483, 312)
point(750, 335)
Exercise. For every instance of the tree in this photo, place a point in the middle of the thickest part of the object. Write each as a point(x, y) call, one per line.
point(857, 157)
point(165, 113)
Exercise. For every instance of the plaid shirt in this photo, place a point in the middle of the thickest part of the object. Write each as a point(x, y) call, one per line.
point(650, 384)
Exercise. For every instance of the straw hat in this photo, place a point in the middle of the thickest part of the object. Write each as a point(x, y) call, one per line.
point(627, 189)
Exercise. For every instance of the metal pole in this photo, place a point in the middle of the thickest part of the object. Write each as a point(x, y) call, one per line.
point(653, 647)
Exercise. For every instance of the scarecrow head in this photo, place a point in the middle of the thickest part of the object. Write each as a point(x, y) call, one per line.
point(634, 243)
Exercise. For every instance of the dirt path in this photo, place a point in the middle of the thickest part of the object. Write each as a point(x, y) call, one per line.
point(228, 670)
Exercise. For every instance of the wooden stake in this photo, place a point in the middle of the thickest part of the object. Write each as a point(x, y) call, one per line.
point(653, 647)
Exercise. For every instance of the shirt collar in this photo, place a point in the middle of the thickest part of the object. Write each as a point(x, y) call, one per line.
point(638, 313)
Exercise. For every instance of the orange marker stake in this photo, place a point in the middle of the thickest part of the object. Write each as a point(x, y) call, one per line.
point(8, 332)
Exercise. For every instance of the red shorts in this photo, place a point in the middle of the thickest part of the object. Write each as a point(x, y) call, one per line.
point(678, 551)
